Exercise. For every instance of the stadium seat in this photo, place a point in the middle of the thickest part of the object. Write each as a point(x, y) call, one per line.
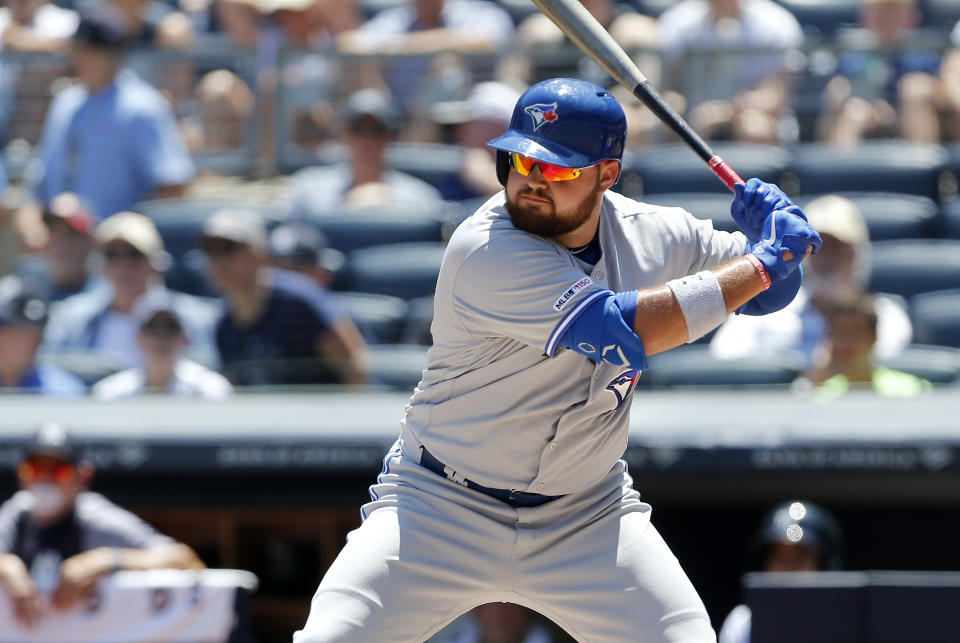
point(373, 226)
point(703, 205)
point(940, 14)
point(405, 270)
point(380, 318)
point(370, 8)
point(435, 163)
point(950, 218)
point(518, 9)
point(939, 364)
point(676, 168)
point(914, 266)
point(651, 7)
point(891, 216)
point(693, 365)
point(936, 317)
point(822, 18)
point(397, 366)
point(873, 166)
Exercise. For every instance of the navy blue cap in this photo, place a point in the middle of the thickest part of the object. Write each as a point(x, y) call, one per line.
point(304, 244)
point(52, 439)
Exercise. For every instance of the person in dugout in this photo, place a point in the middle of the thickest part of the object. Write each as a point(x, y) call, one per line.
point(57, 537)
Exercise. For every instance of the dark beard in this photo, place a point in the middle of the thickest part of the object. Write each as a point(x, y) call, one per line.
point(549, 224)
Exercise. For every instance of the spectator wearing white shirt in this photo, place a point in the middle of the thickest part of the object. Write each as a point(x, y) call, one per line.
point(161, 341)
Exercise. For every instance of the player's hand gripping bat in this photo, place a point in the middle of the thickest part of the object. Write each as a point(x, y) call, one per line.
point(575, 21)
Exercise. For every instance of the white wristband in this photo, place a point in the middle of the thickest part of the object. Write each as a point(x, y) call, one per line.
point(701, 301)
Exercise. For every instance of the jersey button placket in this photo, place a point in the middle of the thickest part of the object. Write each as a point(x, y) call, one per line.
point(553, 446)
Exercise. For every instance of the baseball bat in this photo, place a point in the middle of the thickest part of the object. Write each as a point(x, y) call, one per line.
point(588, 34)
point(582, 28)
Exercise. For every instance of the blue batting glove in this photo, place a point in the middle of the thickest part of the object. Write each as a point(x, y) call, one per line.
point(785, 230)
point(752, 204)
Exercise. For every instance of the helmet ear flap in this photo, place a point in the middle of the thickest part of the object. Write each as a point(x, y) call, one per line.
point(503, 167)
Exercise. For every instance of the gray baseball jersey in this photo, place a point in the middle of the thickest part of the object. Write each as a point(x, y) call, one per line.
point(500, 402)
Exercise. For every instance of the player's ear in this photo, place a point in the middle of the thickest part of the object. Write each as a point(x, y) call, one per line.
point(609, 171)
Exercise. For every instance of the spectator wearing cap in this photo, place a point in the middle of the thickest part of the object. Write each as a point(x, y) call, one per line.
point(161, 341)
point(370, 123)
point(301, 247)
point(104, 322)
point(278, 327)
point(65, 267)
point(57, 537)
point(482, 116)
point(840, 268)
point(111, 138)
point(22, 318)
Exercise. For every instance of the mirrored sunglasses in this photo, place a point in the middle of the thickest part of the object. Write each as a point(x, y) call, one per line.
point(59, 472)
point(524, 164)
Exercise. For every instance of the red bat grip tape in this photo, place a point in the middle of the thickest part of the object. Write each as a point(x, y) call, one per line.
point(724, 171)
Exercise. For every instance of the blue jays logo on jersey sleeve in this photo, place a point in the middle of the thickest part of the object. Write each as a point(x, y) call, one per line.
point(622, 385)
point(541, 113)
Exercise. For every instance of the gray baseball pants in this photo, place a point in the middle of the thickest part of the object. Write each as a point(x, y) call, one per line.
point(430, 549)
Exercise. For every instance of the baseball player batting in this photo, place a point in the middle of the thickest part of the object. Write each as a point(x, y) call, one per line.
point(507, 483)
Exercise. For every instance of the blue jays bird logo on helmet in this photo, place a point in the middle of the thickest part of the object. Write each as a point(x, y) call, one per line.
point(541, 113)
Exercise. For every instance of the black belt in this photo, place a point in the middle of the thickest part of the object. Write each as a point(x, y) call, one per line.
point(510, 496)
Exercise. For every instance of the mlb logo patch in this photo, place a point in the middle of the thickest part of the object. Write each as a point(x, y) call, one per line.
point(541, 113)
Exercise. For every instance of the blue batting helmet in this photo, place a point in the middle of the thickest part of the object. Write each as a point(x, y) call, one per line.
point(566, 122)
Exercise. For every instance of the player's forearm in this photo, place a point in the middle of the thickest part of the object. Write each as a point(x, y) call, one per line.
point(12, 571)
point(660, 323)
point(174, 556)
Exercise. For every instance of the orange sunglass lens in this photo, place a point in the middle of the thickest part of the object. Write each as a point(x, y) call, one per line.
point(61, 473)
point(523, 165)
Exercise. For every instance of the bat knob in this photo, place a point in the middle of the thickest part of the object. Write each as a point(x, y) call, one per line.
point(788, 256)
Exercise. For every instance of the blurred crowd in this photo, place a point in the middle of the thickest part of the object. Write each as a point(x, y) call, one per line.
point(199, 195)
